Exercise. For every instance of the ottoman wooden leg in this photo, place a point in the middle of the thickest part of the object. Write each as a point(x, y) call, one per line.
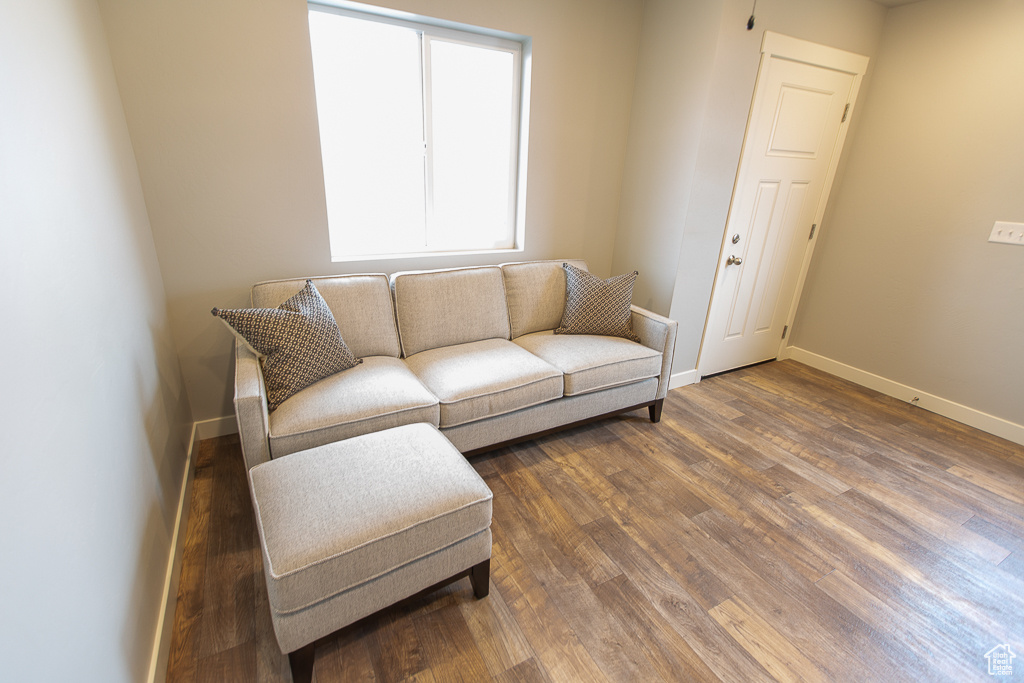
point(301, 662)
point(480, 577)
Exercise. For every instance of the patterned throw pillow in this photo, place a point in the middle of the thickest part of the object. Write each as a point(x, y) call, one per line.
point(596, 306)
point(299, 342)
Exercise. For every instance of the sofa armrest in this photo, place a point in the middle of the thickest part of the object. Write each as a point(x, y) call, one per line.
point(251, 407)
point(659, 333)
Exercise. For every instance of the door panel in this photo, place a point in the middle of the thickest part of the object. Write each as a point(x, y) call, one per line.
point(776, 258)
point(800, 120)
point(794, 136)
point(757, 233)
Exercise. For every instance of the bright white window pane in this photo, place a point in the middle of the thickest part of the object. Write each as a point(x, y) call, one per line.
point(471, 115)
point(419, 134)
point(369, 103)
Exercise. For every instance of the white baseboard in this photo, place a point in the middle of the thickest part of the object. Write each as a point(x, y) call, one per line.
point(217, 426)
point(681, 379)
point(165, 624)
point(204, 429)
point(936, 404)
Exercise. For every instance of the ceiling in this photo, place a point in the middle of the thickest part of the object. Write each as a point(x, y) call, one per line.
point(895, 3)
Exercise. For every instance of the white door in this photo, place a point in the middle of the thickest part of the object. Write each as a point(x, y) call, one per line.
point(795, 132)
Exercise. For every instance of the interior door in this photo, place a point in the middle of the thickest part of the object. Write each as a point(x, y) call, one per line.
point(795, 133)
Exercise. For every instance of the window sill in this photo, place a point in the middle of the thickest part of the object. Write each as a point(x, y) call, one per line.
point(423, 254)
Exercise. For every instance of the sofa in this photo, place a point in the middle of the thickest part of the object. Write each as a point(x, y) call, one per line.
point(469, 350)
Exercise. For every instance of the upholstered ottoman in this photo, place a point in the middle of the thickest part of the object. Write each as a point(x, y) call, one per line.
point(354, 526)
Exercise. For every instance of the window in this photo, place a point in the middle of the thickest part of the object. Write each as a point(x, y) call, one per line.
point(419, 134)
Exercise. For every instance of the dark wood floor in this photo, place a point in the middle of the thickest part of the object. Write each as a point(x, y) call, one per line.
point(779, 523)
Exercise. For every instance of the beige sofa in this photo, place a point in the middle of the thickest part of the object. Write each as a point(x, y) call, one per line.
point(468, 350)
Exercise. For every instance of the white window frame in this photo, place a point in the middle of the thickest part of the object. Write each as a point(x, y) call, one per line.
point(431, 28)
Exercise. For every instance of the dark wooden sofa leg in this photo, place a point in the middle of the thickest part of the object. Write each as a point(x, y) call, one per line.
point(480, 577)
point(301, 662)
point(655, 410)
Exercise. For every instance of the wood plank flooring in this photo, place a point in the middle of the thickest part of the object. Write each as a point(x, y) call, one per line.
point(778, 524)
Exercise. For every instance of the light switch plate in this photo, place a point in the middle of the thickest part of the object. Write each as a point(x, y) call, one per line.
point(1007, 233)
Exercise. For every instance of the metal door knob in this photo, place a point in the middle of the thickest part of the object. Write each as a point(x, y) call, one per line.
point(734, 261)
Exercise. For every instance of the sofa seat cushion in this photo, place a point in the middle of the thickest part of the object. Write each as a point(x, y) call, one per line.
point(380, 393)
point(338, 516)
point(591, 362)
point(485, 378)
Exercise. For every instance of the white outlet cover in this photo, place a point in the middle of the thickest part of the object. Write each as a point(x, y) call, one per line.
point(1007, 233)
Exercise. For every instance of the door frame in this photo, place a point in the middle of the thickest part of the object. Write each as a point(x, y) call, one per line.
point(777, 45)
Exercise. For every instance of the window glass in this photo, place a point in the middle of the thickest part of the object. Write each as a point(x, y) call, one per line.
point(473, 186)
point(418, 134)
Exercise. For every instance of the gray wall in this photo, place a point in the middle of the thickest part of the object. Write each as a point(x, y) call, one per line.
point(695, 79)
point(670, 100)
point(904, 284)
point(220, 105)
point(93, 406)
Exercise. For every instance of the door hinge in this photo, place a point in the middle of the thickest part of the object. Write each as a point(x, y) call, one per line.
point(846, 112)
point(784, 331)
point(813, 228)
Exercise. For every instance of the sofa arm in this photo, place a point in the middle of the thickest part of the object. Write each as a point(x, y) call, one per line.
point(659, 333)
point(251, 407)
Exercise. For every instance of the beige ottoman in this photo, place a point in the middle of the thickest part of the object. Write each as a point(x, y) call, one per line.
point(352, 527)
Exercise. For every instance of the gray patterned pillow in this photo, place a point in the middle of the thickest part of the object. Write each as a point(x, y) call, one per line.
point(299, 342)
point(596, 306)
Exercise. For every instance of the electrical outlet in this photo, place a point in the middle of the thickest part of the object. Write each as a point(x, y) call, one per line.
point(1007, 233)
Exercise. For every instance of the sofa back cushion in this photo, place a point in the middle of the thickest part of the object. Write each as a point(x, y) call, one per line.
point(536, 294)
point(438, 308)
point(361, 305)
